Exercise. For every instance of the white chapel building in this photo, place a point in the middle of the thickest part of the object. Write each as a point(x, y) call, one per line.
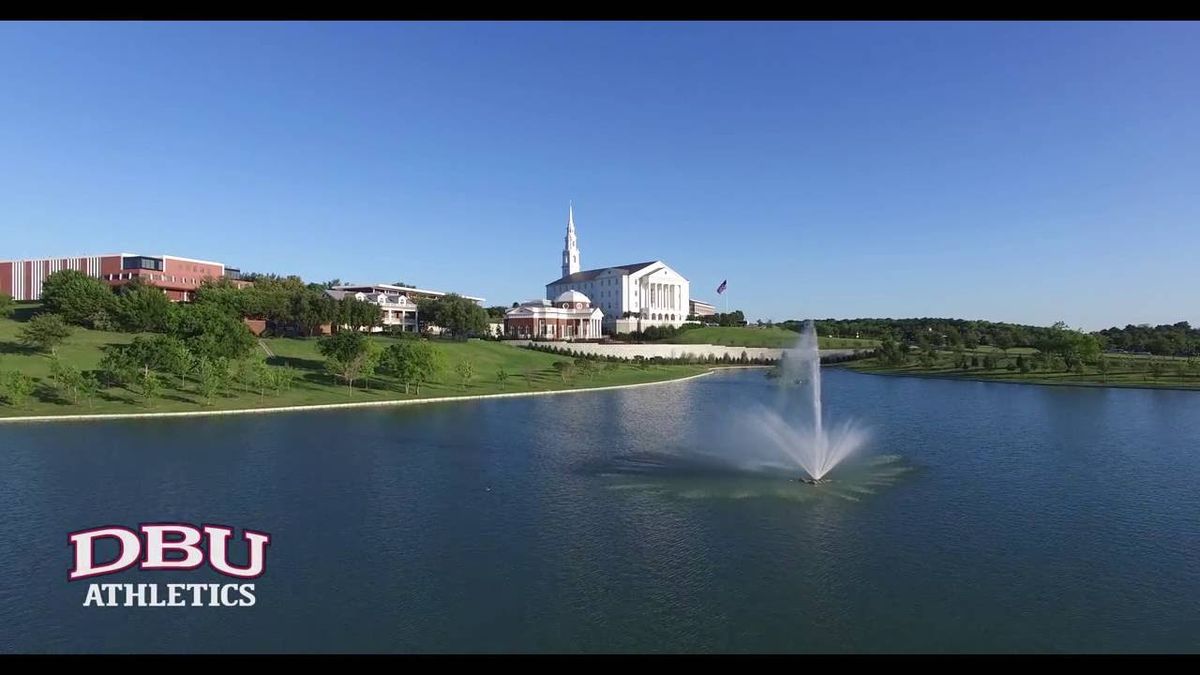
point(631, 297)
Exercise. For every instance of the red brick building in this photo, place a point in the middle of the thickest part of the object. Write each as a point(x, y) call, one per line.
point(178, 277)
point(570, 317)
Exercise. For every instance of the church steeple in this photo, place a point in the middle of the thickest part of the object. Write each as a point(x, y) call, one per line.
point(570, 257)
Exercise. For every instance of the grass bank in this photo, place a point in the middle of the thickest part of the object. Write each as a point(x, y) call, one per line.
point(528, 371)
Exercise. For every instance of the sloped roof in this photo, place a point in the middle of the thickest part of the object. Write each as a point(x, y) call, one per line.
point(588, 275)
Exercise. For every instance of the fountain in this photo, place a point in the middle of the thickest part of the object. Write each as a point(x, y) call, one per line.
point(764, 448)
point(807, 443)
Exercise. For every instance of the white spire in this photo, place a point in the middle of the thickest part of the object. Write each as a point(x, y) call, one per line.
point(570, 257)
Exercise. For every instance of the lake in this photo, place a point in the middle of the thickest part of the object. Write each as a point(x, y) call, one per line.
point(979, 517)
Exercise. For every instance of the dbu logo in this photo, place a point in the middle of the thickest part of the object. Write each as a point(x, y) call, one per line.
point(167, 546)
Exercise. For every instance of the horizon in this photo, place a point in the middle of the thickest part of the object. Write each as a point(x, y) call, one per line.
point(1016, 173)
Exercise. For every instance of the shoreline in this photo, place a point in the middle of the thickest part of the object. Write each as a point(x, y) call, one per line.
point(95, 417)
point(1090, 385)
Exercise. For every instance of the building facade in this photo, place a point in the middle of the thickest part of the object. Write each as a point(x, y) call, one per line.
point(397, 304)
point(699, 308)
point(397, 312)
point(570, 316)
point(177, 277)
point(632, 297)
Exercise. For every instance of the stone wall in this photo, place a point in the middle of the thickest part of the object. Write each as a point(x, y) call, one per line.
point(629, 351)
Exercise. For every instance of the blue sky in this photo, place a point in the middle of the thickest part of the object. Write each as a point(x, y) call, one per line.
point(1012, 172)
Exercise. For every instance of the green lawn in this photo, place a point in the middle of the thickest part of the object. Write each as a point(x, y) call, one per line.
point(1124, 371)
point(747, 336)
point(528, 371)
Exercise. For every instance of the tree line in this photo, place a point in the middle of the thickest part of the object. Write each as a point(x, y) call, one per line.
point(1178, 339)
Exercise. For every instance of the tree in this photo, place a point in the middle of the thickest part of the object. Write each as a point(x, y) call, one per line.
point(465, 370)
point(501, 375)
point(44, 332)
point(67, 378)
point(142, 308)
point(89, 387)
point(412, 362)
point(130, 363)
point(210, 332)
point(260, 376)
point(397, 362)
point(358, 314)
point(313, 309)
point(282, 379)
point(223, 294)
point(172, 356)
point(7, 305)
point(586, 367)
point(891, 352)
point(212, 376)
point(80, 299)
point(347, 354)
point(1103, 365)
point(149, 387)
point(17, 388)
point(459, 316)
point(1071, 345)
point(565, 369)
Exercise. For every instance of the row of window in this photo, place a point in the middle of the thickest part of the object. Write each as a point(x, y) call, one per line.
point(123, 276)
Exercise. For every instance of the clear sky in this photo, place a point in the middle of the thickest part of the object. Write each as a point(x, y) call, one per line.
point(1012, 172)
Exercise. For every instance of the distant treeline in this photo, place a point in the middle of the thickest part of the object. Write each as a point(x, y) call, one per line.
point(1178, 339)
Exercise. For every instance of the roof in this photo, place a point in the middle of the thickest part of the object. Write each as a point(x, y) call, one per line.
point(400, 289)
point(553, 311)
point(115, 255)
point(572, 296)
point(588, 275)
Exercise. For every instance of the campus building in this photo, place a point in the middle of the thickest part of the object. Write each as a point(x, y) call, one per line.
point(701, 309)
point(177, 277)
point(569, 317)
point(397, 304)
point(632, 297)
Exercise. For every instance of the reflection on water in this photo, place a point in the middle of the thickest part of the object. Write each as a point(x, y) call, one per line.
point(702, 475)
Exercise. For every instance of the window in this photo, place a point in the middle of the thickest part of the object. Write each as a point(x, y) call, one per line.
point(141, 263)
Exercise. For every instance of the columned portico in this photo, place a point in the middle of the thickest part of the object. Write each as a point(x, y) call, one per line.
point(570, 317)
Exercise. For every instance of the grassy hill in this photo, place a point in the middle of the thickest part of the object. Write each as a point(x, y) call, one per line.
point(747, 336)
point(527, 371)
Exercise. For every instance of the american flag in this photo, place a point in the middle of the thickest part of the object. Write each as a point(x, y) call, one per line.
point(721, 288)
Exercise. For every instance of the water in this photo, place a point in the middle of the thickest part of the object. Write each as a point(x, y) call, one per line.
point(804, 441)
point(978, 517)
